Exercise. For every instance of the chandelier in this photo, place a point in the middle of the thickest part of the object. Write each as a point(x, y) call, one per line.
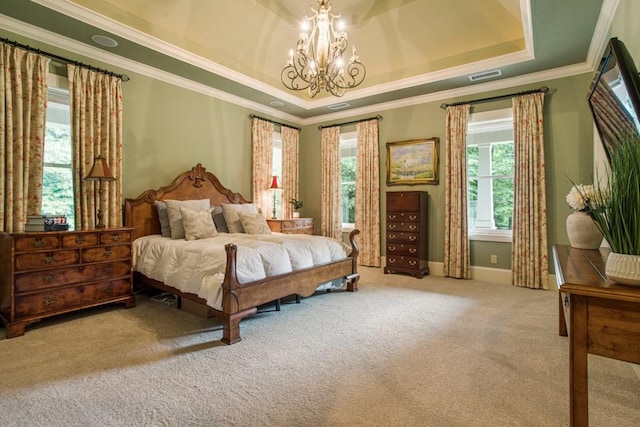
point(317, 62)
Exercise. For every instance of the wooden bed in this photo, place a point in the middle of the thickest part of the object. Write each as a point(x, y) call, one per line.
point(239, 299)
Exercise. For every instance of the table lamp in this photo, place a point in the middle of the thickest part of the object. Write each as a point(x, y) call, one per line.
point(100, 172)
point(275, 186)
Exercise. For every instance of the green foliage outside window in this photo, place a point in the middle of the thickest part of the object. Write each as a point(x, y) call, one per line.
point(57, 179)
point(348, 184)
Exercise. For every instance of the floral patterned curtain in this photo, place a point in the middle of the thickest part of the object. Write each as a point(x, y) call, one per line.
point(290, 142)
point(262, 137)
point(96, 130)
point(529, 250)
point(456, 239)
point(331, 211)
point(367, 213)
point(23, 79)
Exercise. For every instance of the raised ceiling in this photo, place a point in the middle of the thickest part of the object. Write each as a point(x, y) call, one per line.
point(411, 48)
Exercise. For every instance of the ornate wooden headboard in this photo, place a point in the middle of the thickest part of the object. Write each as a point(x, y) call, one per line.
point(141, 213)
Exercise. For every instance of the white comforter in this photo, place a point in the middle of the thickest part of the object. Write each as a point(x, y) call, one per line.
point(198, 266)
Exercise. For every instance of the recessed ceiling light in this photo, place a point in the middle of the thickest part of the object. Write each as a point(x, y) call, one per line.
point(277, 104)
point(104, 40)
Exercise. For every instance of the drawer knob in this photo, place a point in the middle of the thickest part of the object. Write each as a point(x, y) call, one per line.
point(412, 238)
point(115, 237)
point(392, 260)
point(392, 217)
point(49, 301)
point(108, 253)
point(38, 242)
point(412, 227)
point(413, 250)
point(392, 236)
point(412, 217)
point(412, 263)
point(392, 226)
point(49, 259)
point(80, 239)
point(107, 269)
point(392, 248)
point(47, 278)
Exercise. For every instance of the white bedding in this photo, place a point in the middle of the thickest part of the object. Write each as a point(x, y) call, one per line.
point(198, 266)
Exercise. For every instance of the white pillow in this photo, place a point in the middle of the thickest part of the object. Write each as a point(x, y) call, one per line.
point(198, 224)
point(175, 218)
point(254, 223)
point(230, 212)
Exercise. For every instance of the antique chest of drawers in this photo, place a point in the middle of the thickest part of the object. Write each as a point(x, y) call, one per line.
point(292, 225)
point(406, 233)
point(43, 274)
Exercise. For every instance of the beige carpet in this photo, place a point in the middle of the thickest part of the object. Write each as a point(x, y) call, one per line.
point(401, 352)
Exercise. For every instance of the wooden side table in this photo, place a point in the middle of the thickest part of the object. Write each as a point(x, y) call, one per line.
point(292, 225)
point(599, 316)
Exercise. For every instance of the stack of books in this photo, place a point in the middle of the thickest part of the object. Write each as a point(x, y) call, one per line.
point(57, 222)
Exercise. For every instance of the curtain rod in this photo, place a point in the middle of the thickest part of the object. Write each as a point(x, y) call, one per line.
point(379, 117)
point(542, 89)
point(253, 116)
point(122, 77)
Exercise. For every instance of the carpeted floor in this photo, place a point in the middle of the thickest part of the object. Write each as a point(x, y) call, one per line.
point(401, 352)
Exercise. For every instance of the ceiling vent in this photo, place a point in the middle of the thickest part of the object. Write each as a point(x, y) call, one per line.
point(485, 75)
point(339, 106)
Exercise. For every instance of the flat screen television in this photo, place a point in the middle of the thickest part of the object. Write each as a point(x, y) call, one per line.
point(614, 96)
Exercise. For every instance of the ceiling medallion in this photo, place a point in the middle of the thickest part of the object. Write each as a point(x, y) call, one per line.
point(317, 62)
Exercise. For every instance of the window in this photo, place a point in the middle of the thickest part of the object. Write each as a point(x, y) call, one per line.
point(490, 166)
point(57, 179)
point(276, 169)
point(348, 179)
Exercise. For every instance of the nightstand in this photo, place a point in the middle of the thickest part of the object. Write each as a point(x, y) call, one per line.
point(292, 225)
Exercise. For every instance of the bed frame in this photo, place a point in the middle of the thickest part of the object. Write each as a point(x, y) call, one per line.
point(239, 299)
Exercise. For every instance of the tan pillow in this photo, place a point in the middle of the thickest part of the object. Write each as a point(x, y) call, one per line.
point(230, 212)
point(198, 224)
point(175, 218)
point(254, 223)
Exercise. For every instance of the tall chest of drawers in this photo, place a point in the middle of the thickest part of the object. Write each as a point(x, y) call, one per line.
point(406, 233)
point(50, 273)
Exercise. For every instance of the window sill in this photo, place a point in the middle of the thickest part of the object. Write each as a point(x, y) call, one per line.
point(348, 228)
point(491, 236)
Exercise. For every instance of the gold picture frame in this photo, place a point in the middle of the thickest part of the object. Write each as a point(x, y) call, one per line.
point(412, 162)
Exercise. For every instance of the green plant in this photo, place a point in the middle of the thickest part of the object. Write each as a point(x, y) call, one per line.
point(297, 204)
point(615, 207)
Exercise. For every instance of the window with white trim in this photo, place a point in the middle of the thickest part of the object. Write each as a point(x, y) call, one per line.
point(348, 179)
point(57, 174)
point(490, 167)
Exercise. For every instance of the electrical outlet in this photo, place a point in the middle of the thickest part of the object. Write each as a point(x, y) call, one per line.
point(494, 259)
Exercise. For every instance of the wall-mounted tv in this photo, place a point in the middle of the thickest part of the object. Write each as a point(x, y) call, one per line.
point(614, 96)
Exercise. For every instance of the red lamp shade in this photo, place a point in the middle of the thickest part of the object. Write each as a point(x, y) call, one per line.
point(275, 182)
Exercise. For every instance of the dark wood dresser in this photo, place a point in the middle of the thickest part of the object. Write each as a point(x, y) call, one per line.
point(406, 233)
point(292, 225)
point(43, 274)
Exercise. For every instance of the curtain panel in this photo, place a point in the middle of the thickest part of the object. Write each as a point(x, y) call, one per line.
point(367, 212)
point(96, 130)
point(23, 79)
point(456, 235)
point(331, 209)
point(262, 143)
point(529, 250)
point(290, 153)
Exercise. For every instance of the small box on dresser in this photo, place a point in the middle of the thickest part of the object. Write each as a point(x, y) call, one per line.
point(406, 233)
point(44, 274)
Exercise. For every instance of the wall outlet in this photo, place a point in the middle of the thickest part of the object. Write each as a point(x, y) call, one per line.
point(494, 259)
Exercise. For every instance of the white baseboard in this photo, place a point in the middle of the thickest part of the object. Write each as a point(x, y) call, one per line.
point(485, 274)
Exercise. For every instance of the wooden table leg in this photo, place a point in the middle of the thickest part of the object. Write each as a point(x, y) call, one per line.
point(562, 321)
point(578, 384)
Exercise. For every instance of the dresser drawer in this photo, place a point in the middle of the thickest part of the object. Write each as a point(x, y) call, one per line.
point(59, 299)
point(28, 282)
point(402, 249)
point(42, 260)
point(403, 262)
point(403, 202)
point(403, 216)
point(402, 237)
point(403, 226)
point(79, 240)
point(36, 243)
point(106, 253)
point(115, 237)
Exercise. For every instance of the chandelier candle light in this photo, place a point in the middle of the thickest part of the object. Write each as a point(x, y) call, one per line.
point(317, 62)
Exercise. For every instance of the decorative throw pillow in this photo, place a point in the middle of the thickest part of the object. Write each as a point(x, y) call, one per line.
point(163, 216)
point(198, 224)
point(254, 223)
point(175, 218)
point(230, 212)
point(218, 219)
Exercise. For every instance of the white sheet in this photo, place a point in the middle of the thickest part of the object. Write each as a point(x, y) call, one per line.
point(197, 266)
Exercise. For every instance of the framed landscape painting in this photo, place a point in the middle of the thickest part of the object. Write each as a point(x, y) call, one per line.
point(412, 162)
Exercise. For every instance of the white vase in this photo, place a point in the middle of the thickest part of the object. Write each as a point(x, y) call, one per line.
point(582, 231)
point(296, 214)
point(623, 269)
